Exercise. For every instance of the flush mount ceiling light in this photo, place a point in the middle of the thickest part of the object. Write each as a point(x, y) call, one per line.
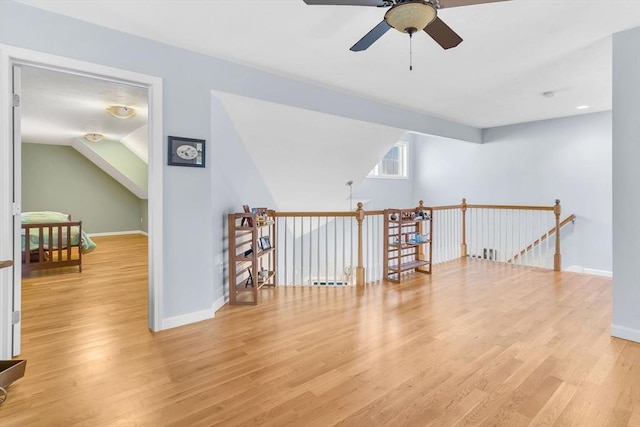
point(93, 137)
point(121, 111)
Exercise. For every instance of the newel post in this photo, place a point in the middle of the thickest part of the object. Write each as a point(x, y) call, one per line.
point(557, 259)
point(463, 244)
point(360, 267)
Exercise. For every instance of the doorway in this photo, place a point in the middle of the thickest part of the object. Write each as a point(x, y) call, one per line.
point(10, 189)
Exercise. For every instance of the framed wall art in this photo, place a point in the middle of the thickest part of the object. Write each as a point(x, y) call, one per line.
point(186, 152)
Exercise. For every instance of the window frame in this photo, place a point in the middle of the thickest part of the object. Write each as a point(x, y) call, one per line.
point(403, 163)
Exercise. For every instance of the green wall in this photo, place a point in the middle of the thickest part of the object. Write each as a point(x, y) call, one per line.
point(58, 178)
point(144, 209)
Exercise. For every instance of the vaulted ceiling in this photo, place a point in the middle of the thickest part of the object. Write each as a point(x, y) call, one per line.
point(513, 51)
point(521, 60)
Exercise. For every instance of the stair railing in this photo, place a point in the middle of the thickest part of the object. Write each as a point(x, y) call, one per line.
point(346, 248)
point(329, 248)
point(571, 218)
point(502, 233)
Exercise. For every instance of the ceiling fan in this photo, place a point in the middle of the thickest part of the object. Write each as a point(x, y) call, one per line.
point(408, 16)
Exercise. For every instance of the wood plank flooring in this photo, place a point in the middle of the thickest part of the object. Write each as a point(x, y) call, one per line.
point(476, 343)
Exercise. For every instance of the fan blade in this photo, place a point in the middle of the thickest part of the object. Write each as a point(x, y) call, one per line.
point(371, 37)
point(456, 3)
point(443, 34)
point(378, 3)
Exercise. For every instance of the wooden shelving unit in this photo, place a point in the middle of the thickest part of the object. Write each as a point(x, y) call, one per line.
point(252, 264)
point(407, 243)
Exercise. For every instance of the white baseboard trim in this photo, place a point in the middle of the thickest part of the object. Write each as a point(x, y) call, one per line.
point(117, 233)
point(218, 304)
point(185, 319)
point(625, 333)
point(591, 271)
point(198, 316)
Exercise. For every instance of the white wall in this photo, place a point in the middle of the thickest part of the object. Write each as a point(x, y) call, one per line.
point(385, 193)
point(626, 180)
point(194, 199)
point(532, 164)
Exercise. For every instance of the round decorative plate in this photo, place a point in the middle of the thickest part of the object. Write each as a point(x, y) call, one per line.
point(186, 152)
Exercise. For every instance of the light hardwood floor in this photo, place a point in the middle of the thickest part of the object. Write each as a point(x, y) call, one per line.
point(475, 344)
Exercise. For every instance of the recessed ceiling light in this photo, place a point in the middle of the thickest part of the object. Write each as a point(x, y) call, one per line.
point(93, 137)
point(582, 107)
point(121, 111)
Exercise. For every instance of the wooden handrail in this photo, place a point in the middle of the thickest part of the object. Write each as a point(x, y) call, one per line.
point(511, 207)
point(4, 264)
point(542, 238)
point(443, 208)
point(279, 214)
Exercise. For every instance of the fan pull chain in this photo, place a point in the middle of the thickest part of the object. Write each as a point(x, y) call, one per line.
point(410, 51)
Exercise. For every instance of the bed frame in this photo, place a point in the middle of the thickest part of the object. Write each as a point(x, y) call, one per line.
point(57, 252)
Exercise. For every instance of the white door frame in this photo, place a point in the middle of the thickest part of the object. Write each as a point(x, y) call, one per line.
point(16, 333)
point(10, 55)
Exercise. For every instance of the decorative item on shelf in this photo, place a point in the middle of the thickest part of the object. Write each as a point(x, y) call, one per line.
point(261, 215)
point(264, 242)
point(186, 152)
point(248, 252)
point(413, 239)
point(393, 217)
point(420, 214)
point(422, 238)
point(246, 221)
point(249, 281)
point(262, 275)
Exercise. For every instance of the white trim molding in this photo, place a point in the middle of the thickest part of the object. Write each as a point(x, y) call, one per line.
point(6, 204)
point(10, 55)
point(198, 316)
point(219, 303)
point(591, 271)
point(185, 319)
point(625, 333)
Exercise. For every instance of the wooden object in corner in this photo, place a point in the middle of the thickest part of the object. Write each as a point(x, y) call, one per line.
point(252, 259)
point(407, 242)
point(4, 264)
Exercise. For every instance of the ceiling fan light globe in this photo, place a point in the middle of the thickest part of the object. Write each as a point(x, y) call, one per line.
point(411, 15)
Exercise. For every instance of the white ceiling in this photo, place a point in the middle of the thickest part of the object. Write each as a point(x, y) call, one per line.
point(513, 51)
point(59, 107)
point(331, 155)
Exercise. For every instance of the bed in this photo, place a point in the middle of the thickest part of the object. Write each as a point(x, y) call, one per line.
point(52, 240)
